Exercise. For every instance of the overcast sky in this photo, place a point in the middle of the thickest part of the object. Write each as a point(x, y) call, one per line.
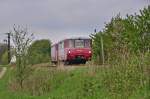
point(57, 19)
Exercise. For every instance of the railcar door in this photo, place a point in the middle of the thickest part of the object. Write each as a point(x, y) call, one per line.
point(87, 43)
point(61, 51)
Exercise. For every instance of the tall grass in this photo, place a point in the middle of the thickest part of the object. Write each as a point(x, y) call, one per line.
point(127, 74)
point(127, 78)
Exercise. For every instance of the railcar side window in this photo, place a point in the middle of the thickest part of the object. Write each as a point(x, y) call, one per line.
point(79, 43)
point(61, 45)
point(87, 43)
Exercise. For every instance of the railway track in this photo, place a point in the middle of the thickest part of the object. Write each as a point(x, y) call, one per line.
point(61, 66)
point(2, 72)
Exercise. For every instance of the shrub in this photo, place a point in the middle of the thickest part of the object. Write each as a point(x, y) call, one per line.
point(39, 52)
point(38, 83)
point(125, 78)
point(123, 35)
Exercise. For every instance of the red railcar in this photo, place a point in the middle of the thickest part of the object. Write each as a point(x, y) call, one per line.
point(73, 50)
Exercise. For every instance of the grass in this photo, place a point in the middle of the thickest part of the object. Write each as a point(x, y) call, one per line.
point(5, 93)
point(115, 82)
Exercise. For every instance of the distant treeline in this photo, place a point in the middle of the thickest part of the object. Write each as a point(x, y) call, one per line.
point(38, 52)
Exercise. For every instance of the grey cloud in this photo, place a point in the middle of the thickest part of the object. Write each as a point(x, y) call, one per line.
point(57, 19)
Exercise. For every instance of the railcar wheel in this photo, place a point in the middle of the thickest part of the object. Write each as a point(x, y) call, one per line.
point(84, 62)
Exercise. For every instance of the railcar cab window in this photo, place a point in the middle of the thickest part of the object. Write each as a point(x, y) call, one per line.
point(79, 43)
point(71, 43)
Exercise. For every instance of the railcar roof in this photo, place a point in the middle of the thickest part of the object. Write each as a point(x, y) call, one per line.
point(79, 38)
point(71, 39)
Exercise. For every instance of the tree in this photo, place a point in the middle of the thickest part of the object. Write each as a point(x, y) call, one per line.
point(142, 22)
point(22, 40)
point(112, 36)
point(40, 51)
point(123, 35)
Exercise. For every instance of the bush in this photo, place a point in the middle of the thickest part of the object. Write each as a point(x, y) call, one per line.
point(38, 83)
point(123, 35)
point(125, 78)
point(39, 52)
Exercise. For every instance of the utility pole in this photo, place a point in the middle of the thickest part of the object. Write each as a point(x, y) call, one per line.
point(102, 47)
point(95, 31)
point(8, 46)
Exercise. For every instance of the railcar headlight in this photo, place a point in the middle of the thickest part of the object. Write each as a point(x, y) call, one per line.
point(90, 52)
point(69, 52)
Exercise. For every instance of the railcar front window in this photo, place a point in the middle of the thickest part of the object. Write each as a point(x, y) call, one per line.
point(79, 43)
point(71, 43)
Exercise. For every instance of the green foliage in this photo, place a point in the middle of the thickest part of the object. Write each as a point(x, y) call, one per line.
point(142, 22)
point(123, 35)
point(38, 83)
point(39, 52)
point(128, 79)
point(21, 40)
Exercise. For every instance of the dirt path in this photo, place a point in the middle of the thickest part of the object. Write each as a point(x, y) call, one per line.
point(3, 72)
